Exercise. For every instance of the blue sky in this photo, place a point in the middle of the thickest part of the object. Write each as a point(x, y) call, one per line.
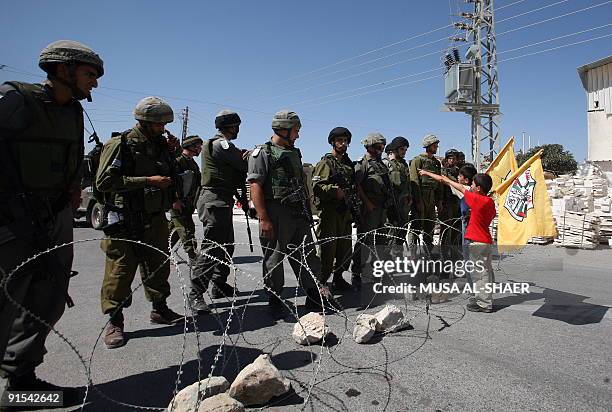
point(215, 55)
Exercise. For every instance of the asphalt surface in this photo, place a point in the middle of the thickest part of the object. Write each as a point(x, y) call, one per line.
point(546, 350)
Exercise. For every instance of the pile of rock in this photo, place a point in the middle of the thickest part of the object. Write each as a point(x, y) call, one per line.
point(581, 208)
point(388, 319)
point(310, 329)
point(256, 384)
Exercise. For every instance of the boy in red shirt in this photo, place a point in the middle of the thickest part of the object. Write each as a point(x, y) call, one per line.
point(482, 212)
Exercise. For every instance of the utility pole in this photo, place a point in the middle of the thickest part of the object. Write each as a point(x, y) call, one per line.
point(185, 116)
point(523, 148)
point(478, 82)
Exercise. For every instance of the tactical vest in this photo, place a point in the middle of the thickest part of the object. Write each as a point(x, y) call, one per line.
point(398, 174)
point(430, 164)
point(219, 175)
point(346, 171)
point(143, 157)
point(285, 165)
point(447, 194)
point(373, 185)
point(49, 152)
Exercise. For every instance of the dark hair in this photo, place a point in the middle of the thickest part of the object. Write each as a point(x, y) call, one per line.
point(468, 171)
point(484, 181)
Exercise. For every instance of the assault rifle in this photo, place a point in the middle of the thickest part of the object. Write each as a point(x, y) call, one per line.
point(351, 197)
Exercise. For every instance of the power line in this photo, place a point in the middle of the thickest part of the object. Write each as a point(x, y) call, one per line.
point(424, 55)
point(532, 11)
point(433, 77)
point(553, 18)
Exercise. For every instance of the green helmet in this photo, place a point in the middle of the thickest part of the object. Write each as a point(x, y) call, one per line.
point(285, 119)
point(68, 51)
point(191, 141)
point(429, 140)
point(372, 139)
point(227, 118)
point(153, 109)
point(451, 152)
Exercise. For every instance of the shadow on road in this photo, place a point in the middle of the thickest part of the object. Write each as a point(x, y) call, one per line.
point(155, 388)
point(558, 305)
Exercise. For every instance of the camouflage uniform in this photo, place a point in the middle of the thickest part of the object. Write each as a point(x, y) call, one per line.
point(370, 174)
point(427, 193)
point(125, 163)
point(42, 146)
point(335, 217)
point(274, 167)
point(450, 217)
point(399, 174)
point(223, 172)
point(182, 220)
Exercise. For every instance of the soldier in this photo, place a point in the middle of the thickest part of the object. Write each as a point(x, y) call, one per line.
point(41, 154)
point(223, 172)
point(372, 179)
point(135, 178)
point(276, 178)
point(335, 193)
point(460, 159)
point(450, 216)
point(399, 174)
point(426, 192)
point(188, 190)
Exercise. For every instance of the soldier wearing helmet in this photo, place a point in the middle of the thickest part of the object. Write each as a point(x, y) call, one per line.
point(334, 193)
point(426, 192)
point(276, 178)
point(41, 154)
point(373, 185)
point(399, 174)
point(137, 180)
point(223, 173)
point(188, 189)
point(450, 216)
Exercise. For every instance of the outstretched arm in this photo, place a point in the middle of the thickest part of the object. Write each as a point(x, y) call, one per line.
point(443, 179)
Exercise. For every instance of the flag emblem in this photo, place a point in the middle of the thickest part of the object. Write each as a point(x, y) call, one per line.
point(520, 196)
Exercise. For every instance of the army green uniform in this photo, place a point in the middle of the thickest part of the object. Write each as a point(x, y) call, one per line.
point(399, 175)
point(370, 174)
point(44, 141)
point(427, 193)
point(125, 163)
point(335, 217)
point(182, 220)
point(274, 167)
point(223, 172)
point(450, 216)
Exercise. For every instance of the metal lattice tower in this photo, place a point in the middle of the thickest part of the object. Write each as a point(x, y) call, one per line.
point(485, 114)
point(483, 104)
point(185, 116)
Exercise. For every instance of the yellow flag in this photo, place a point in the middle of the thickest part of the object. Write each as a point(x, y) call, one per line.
point(524, 207)
point(504, 164)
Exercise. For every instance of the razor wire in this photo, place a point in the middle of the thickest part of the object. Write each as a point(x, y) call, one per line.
point(327, 356)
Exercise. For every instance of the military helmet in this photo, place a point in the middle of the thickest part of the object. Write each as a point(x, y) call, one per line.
point(227, 118)
point(461, 155)
point(396, 143)
point(372, 139)
point(153, 109)
point(191, 141)
point(429, 140)
point(451, 152)
point(285, 119)
point(339, 132)
point(69, 51)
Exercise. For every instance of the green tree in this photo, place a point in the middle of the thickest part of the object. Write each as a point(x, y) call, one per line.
point(554, 158)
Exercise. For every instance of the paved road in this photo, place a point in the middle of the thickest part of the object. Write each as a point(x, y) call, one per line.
point(548, 350)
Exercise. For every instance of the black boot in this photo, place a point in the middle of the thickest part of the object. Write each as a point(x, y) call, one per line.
point(356, 281)
point(163, 315)
point(196, 302)
point(29, 382)
point(339, 284)
point(223, 290)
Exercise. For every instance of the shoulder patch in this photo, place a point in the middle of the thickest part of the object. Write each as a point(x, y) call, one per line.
point(224, 144)
point(256, 151)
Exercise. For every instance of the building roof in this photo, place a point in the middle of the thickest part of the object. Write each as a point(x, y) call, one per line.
point(583, 69)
